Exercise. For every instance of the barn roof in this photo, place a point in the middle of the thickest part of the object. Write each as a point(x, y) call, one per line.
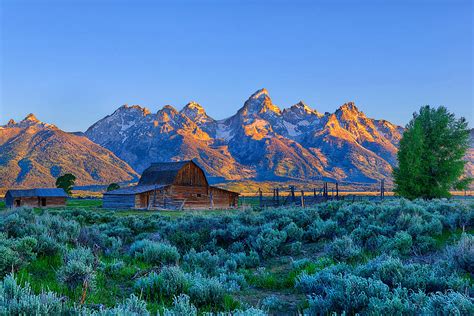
point(42, 192)
point(137, 189)
point(162, 172)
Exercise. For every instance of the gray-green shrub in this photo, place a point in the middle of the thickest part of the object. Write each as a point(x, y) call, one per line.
point(154, 252)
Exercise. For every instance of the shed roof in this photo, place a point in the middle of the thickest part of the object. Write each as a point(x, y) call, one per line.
point(162, 173)
point(137, 189)
point(41, 192)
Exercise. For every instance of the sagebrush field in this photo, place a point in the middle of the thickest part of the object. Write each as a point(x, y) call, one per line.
point(388, 258)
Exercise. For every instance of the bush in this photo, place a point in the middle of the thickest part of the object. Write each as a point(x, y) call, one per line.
point(343, 249)
point(20, 300)
point(463, 253)
point(293, 232)
point(206, 291)
point(132, 306)
point(202, 262)
point(269, 241)
point(15, 253)
point(181, 307)
point(451, 303)
point(169, 282)
point(340, 293)
point(78, 268)
point(273, 303)
point(400, 244)
point(233, 282)
point(154, 252)
point(320, 229)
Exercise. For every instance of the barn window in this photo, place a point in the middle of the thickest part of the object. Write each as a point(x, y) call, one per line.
point(198, 195)
point(43, 201)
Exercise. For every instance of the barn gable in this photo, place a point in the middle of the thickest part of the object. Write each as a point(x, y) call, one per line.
point(174, 173)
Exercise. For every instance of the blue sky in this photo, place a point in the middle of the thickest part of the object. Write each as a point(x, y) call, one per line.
point(73, 62)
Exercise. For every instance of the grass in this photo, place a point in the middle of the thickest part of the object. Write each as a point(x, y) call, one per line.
point(449, 237)
point(41, 274)
point(84, 203)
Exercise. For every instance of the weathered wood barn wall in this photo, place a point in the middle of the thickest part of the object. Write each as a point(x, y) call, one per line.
point(49, 197)
point(175, 185)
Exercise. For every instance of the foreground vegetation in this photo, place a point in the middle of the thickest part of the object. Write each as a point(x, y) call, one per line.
point(395, 257)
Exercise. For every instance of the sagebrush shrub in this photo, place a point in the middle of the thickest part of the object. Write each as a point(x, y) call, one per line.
point(15, 252)
point(293, 232)
point(202, 262)
point(181, 307)
point(132, 306)
point(320, 229)
point(401, 244)
point(206, 291)
point(169, 282)
point(78, 268)
point(340, 293)
point(451, 303)
point(154, 252)
point(21, 300)
point(269, 241)
point(463, 253)
point(343, 249)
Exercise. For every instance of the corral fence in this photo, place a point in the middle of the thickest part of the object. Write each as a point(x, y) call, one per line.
point(324, 192)
point(302, 197)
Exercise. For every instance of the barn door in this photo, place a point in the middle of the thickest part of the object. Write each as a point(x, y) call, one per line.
point(43, 201)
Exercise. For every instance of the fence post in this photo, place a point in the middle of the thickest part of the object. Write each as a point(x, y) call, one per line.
point(314, 192)
point(278, 196)
point(260, 197)
point(292, 189)
point(302, 198)
point(382, 189)
point(337, 190)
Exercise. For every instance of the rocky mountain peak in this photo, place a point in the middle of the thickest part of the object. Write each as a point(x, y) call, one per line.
point(349, 111)
point(167, 113)
point(349, 107)
point(302, 108)
point(260, 102)
point(11, 122)
point(31, 118)
point(135, 107)
point(193, 109)
point(260, 94)
point(169, 109)
point(196, 113)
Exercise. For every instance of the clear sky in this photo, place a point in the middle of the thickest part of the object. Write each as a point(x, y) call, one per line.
point(73, 62)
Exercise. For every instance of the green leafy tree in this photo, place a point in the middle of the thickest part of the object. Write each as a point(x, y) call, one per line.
point(66, 182)
point(113, 186)
point(430, 157)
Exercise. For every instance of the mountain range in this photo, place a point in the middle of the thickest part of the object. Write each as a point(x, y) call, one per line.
point(259, 142)
point(33, 153)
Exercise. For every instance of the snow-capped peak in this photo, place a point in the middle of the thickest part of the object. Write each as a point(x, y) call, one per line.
point(259, 103)
point(131, 108)
point(196, 113)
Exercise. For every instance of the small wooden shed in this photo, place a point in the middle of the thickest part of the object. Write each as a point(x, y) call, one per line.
point(43, 197)
point(171, 185)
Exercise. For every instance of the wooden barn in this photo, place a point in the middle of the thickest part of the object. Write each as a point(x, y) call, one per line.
point(171, 185)
point(48, 197)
